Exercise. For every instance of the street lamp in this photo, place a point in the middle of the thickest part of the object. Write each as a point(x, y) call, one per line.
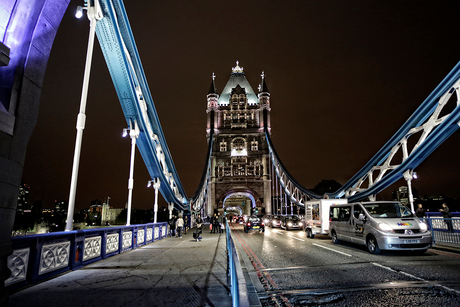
point(94, 14)
point(156, 185)
point(133, 134)
point(408, 176)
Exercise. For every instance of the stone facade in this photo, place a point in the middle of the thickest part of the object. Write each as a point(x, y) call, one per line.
point(240, 157)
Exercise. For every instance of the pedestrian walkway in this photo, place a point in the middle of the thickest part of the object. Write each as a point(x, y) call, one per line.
point(168, 272)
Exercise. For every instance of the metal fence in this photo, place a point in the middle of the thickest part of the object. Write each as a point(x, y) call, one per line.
point(38, 257)
point(238, 287)
point(445, 230)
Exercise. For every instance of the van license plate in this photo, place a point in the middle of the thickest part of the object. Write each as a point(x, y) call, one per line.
point(411, 241)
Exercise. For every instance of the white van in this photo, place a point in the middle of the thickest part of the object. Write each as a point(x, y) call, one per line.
point(380, 225)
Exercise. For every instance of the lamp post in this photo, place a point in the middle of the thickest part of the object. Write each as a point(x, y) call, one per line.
point(408, 176)
point(94, 14)
point(133, 134)
point(156, 185)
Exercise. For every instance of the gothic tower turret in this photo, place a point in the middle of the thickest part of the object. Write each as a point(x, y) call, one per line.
point(264, 104)
point(212, 99)
point(240, 177)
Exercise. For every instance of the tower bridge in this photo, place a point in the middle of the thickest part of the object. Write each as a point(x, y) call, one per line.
point(242, 169)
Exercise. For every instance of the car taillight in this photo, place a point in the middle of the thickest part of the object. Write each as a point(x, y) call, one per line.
point(249, 224)
point(263, 223)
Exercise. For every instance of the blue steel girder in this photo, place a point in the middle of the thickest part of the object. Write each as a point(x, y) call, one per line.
point(296, 193)
point(124, 64)
point(426, 122)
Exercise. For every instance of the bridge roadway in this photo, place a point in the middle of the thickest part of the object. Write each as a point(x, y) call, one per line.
point(168, 272)
point(287, 269)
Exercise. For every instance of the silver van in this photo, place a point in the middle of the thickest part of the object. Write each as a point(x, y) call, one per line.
point(380, 225)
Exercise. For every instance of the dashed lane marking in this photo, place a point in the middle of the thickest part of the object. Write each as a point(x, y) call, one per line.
point(296, 238)
point(412, 276)
point(331, 249)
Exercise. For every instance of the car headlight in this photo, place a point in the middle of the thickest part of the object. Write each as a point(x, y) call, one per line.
point(423, 227)
point(300, 224)
point(289, 224)
point(385, 227)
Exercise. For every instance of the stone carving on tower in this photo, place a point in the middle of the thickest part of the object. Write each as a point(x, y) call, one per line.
point(240, 158)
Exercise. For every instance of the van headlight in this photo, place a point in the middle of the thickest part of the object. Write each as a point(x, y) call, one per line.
point(385, 227)
point(423, 227)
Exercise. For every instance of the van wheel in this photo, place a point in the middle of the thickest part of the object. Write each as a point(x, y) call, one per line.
point(309, 233)
point(372, 245)
point(335, 240)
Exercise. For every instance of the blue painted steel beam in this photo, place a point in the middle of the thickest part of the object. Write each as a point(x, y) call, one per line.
point(434, 139)
point(120, 52)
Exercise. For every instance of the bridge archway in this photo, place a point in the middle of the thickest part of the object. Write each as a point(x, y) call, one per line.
point(240, 202)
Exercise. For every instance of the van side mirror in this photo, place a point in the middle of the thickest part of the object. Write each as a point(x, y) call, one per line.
point(362, 217)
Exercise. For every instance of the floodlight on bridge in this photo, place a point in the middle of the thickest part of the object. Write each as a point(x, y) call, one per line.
point(125, 132)
point(79, 12)
point(414, 175)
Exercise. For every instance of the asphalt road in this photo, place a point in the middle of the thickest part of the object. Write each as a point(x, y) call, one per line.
point(288, 269)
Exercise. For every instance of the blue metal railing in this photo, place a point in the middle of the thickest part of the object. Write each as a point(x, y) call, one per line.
point(238, 288)
point(38, 257)
point(445, 230)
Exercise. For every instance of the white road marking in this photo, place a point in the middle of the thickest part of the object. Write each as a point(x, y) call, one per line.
point(279, 232)
point(295, 238)
point(410, 275)
point(332, 250)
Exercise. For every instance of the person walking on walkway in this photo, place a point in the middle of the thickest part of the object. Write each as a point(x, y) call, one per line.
point(172, 226)
point(214, 223)
point(220, 219)
point(447, 215)
point(186, 225)
point(179, 224)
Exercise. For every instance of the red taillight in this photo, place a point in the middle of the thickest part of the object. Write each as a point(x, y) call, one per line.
point(263, 224)
point(249, 224)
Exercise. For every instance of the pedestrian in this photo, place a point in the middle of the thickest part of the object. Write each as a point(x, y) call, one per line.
point(186, 225)
point(214, 223)
point(420, 212)
point(197, 233)
point(180, 225)
point(220, 219)
point(447, 215)
point(172, 226)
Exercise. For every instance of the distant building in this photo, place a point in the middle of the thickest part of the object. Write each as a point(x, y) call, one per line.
point(23, 196)
point(109, 215)
point(401, 194)
point(61, 206)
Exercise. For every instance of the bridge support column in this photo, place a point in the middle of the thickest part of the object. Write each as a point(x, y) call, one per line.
point(408, 175)
point(134, 134)
point(156, 185)
point(170, 208)
point(94, 14)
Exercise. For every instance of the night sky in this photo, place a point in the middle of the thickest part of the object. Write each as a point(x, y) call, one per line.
point(343, 77)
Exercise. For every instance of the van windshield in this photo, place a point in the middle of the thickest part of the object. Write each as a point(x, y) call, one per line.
point(387, 210)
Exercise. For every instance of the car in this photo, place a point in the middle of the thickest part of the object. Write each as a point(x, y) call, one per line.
point(290, 222)
point(254, 223)
point(379, 225)
point(275, 221)
point(240, 220)
point(267, 218)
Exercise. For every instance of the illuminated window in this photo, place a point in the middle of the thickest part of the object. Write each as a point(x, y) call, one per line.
point(254, 145)
point(223, 146)
point(239, 147)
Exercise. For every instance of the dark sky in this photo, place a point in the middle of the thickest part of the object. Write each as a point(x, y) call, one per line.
point(343, 77)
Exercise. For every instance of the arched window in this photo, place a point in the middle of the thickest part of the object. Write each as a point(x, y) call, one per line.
point(239, 147)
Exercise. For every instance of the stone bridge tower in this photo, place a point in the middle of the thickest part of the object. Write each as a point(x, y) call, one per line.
point(240, 177)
